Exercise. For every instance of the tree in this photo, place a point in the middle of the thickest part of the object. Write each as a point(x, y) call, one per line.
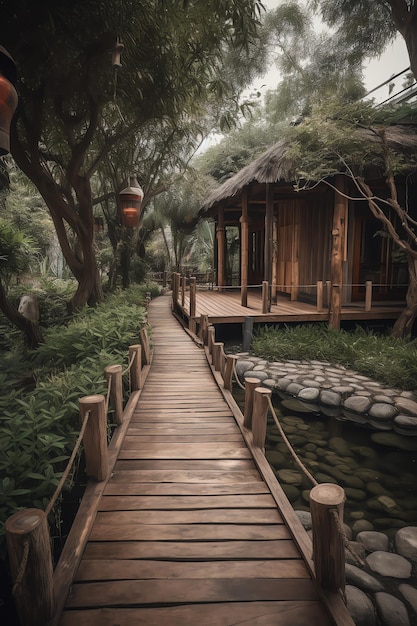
point(74, 107)
point(352, 140)
point(369, 25)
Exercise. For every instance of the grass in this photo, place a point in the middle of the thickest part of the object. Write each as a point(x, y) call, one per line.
point(385, 359)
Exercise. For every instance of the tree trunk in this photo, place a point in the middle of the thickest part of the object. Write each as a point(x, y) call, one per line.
point(404, 324)
point(404, 15)
point(31, 330)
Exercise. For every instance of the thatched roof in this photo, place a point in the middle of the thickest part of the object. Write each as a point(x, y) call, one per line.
point(273, 165)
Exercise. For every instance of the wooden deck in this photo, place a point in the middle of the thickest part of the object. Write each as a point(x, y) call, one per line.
point(190, 528)
point(224, 307)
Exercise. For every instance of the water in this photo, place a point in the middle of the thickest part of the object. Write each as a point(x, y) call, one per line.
point(380, 481)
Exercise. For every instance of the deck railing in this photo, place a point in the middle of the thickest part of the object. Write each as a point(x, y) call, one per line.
point(326, 499)
point(39, 591)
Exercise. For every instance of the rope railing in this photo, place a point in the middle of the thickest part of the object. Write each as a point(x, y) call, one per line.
point(27, 530)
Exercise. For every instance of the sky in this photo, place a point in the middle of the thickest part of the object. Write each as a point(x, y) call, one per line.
point(376, 71)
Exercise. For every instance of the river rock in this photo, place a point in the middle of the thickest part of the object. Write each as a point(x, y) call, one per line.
point(243, 366)
point(261, 375)
point(391, 610)
point(410, 594)
point(309, 394)
point(330, 398)
point(340, 446)
point(373, 541)
point(360, 607)
point(358, 404)
point(394, 441)
point(305, 518)
point(291, 477)
point(363, 580)
point(362, 525)
point(382, 411)
point(406, 542)
point(406, 405)
point(275, 458)
point(387, 564)
point(291, 492)
point(294, 388)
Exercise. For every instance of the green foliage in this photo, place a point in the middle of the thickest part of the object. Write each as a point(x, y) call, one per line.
point(39, 424)
point(386, 359)
point(17, 251)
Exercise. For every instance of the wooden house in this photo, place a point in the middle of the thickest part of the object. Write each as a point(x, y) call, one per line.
point(325, 234)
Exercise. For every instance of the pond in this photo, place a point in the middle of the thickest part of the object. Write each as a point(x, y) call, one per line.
point(380, 480)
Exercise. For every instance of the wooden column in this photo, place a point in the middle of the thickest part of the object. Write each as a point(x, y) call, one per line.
point(135, 352)
point(328, 542)
point(113, 373)
point(204, 324)
point(231, 359)
point(218, 361)
point(250, 386)
point(221, 248)
point(338, 251)
point(259, 416)
point(319, 296)
point(146, 349)
point(268, 248)
point(274, 277)
point(28, 539)
point(95, 436)
point(368, 295)
point(211, 338)
point(265, 297)
point(244, 249)
point(183, 290)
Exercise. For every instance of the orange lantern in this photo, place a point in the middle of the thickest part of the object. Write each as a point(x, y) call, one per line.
point(131, 201)
point(8, 98)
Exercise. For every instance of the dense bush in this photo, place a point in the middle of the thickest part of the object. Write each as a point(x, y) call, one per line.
point(39, 415)
point(386, 359)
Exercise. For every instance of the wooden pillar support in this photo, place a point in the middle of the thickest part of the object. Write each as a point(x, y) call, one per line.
point(247, 332)
point(193, 296)
point(183, 290)
point(204, 324)
point(244, 249)
point(175, 288)
point(146, 349)
point(221, 250)
point(95, 436)
point(265, 297)
point(27, 533)
point(259, 416)
point(368, 295)
point(211, 337)
point(340, 212)
point(218, 359)
point(113, 373)
point(250, 385)
point(327, 499)
point(319, 296)
point(231, 359)
point(135, 352)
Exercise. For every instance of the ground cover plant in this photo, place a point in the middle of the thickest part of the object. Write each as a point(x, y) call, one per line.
point(39, 414)
point(386, 359)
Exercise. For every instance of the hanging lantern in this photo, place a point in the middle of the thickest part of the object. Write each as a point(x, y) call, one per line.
point(8, 98)
point(131, 201)
point(116, 53)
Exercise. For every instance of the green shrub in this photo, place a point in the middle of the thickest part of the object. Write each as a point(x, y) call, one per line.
point(39, 425)
point(386, 359)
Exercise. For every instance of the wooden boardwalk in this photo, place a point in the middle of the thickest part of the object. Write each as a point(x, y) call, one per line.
point(188, 532)
point(224, 307)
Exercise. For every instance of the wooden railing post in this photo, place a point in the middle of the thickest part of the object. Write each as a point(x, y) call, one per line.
point(335, 306)
point(113, 373)
point(231, 359)
point(183, 289)
point(250, 386)
point(146, 349)
point(218, 361)
point(193, 296)
point(368, 295)
point(328, 292)
point(135, 353)
point(319, 296)
point(27, 533)
point(175, 288)
point(259, 416)
point(326, 502)
point(95, 436)
point(211, 336)
point(265, 296)
point(204, 324)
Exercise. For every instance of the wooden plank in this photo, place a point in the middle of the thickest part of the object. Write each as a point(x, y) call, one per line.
point(132, 592)
point(190, 550)
point(188, 532)
point(128, 569)
point(185, 476)
point(185, 451)
point(141, 503)
point(184, 489)
point(195, 516)
point(279, 613)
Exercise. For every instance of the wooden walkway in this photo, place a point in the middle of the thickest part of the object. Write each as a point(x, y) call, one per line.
point(188, 532)
point(224, 307)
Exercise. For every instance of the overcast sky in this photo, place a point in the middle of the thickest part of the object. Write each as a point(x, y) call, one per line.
point(376, 71)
